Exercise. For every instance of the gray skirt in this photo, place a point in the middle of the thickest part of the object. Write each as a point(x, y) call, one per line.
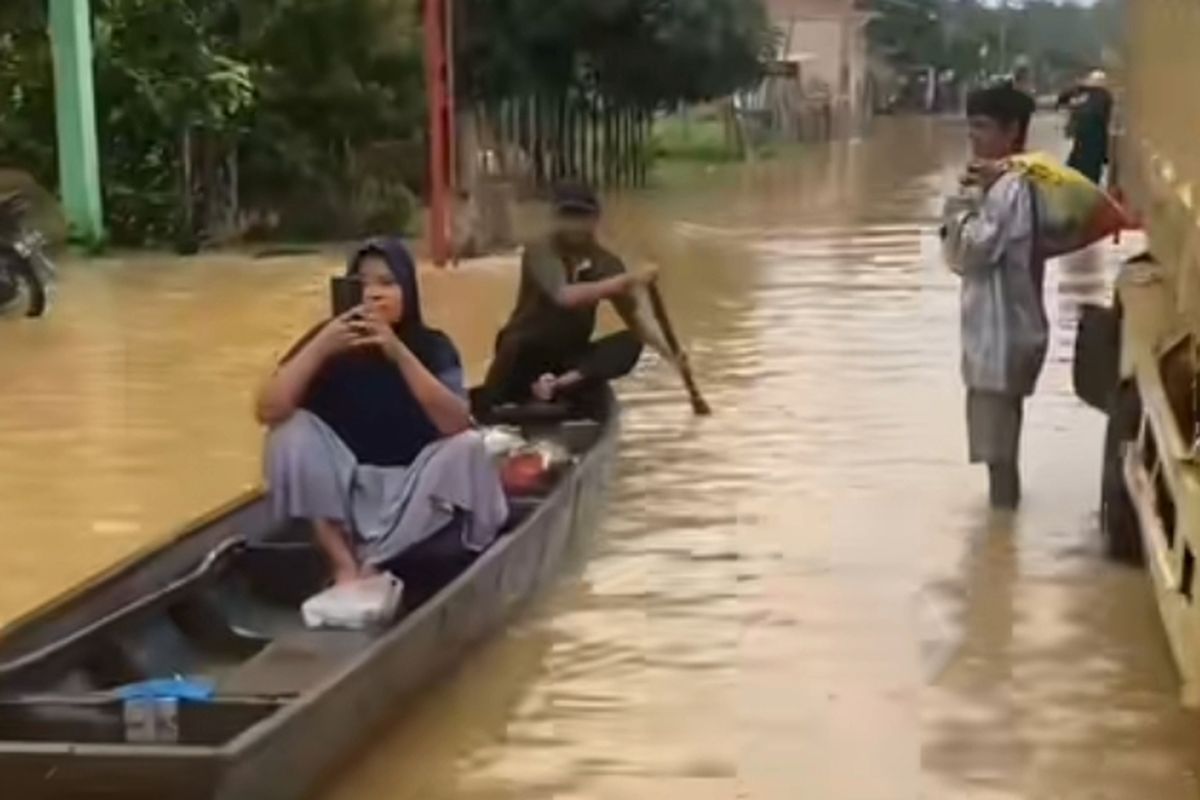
point(311, 474)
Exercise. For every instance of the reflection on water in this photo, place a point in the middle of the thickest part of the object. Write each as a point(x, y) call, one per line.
point(803, 596)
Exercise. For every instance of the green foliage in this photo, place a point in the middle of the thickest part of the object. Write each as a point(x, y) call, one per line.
point(157, 60)
point(335, 77)
point(293, 88)
point(703, 139)
point(687, 51)
point(644, 52)
point(974, 39)
point(297, 91)
point(26, 90)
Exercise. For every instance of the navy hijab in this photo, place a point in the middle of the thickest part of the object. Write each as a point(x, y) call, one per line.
point(363, 396)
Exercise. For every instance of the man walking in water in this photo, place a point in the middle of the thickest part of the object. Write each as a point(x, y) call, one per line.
point(990, 235)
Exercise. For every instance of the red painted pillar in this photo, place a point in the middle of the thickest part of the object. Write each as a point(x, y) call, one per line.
point(451, 104)
point(438, 75)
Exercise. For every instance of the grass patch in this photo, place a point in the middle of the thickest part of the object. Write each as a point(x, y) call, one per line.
point(695, 139)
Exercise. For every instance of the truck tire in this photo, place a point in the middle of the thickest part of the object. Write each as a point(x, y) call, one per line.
point(1118, 521)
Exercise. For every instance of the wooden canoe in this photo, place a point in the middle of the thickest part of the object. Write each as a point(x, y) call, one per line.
point(221, 602)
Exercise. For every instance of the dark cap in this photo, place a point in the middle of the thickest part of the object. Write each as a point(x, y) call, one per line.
point(574, 198)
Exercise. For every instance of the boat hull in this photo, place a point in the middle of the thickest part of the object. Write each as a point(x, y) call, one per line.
point(300, 742)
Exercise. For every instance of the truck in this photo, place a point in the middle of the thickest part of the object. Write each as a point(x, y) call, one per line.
point(1149, 340)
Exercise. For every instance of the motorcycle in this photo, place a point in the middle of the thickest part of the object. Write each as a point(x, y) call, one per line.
point(26, 272)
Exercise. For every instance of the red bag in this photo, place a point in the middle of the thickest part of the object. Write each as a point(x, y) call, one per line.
point(525, 474)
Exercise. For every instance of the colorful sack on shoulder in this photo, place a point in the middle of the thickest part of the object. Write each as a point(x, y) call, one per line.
point(1074, 211)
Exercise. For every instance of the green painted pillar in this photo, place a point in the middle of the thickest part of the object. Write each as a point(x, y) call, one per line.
point(75, 106)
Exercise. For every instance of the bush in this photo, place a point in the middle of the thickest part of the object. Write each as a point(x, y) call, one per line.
point(290, 88)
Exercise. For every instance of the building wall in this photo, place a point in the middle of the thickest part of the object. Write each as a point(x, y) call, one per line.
point(818, 44)
point(828, 37)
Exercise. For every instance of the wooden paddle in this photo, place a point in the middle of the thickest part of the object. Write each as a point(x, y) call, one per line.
point(699, 404)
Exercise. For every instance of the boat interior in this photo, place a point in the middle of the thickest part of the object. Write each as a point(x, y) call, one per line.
point(233, 621)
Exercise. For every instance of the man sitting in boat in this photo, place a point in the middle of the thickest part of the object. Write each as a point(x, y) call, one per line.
point(545, 352)
point(371, 435)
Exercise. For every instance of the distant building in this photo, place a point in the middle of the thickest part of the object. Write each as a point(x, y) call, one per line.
point(828, 39)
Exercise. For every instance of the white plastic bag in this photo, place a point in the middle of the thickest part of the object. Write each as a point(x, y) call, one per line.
point(500, 441)
point(355, 606)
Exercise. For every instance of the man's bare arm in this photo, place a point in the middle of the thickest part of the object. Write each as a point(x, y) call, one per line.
point(581, 295)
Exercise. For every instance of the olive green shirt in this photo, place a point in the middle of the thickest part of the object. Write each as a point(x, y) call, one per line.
point(538, 315)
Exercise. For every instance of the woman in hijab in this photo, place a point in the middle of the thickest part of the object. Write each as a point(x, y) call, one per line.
point(370, 435)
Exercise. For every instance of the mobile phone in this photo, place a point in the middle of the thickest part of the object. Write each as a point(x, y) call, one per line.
point(346, 293)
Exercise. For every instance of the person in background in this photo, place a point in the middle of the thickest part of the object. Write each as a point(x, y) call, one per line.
point(990, 234)
point(370, 435)
point(545, 352)
point(1090, 106)
point(1022, 78)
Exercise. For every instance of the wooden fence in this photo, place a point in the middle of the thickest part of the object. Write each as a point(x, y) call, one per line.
point(579, 138)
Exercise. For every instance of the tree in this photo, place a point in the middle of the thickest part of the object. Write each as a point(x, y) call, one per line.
point(26, 90)
point(648, 52)
point(161, 78)
point(334, 77)
point(685, 51)
point(974, 39)
point(189, 90)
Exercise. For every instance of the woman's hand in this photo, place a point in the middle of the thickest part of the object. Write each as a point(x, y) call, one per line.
point(446, 410)
point(284, 390)
point(373, 331)
point(341, 333)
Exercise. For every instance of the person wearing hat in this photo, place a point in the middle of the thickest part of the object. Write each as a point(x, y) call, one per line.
point(1090, 106)
point(545, 352)
point(990, 237)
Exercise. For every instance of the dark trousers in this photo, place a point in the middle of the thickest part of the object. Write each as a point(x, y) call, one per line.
point(1089, 159)
point(520, 362)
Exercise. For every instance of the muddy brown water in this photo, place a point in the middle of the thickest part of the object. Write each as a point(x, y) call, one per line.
point(803, 596)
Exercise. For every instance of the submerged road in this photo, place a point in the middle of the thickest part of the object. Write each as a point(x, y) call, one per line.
point(803, 596)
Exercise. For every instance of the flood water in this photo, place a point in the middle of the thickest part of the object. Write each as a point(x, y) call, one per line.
point(802, 596)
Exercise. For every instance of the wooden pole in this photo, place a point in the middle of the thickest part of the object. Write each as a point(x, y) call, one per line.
point(633, 151)
point(630, 133)
point(580, 140)
point(635, 123)
point(570, 169)
point(606, 114)
point(699, 404)
point(619, 154)
point(536, 130)
point(440, 129)
point(560, 138)
point(647, 144)
point(452, 165)
point(594, 126)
